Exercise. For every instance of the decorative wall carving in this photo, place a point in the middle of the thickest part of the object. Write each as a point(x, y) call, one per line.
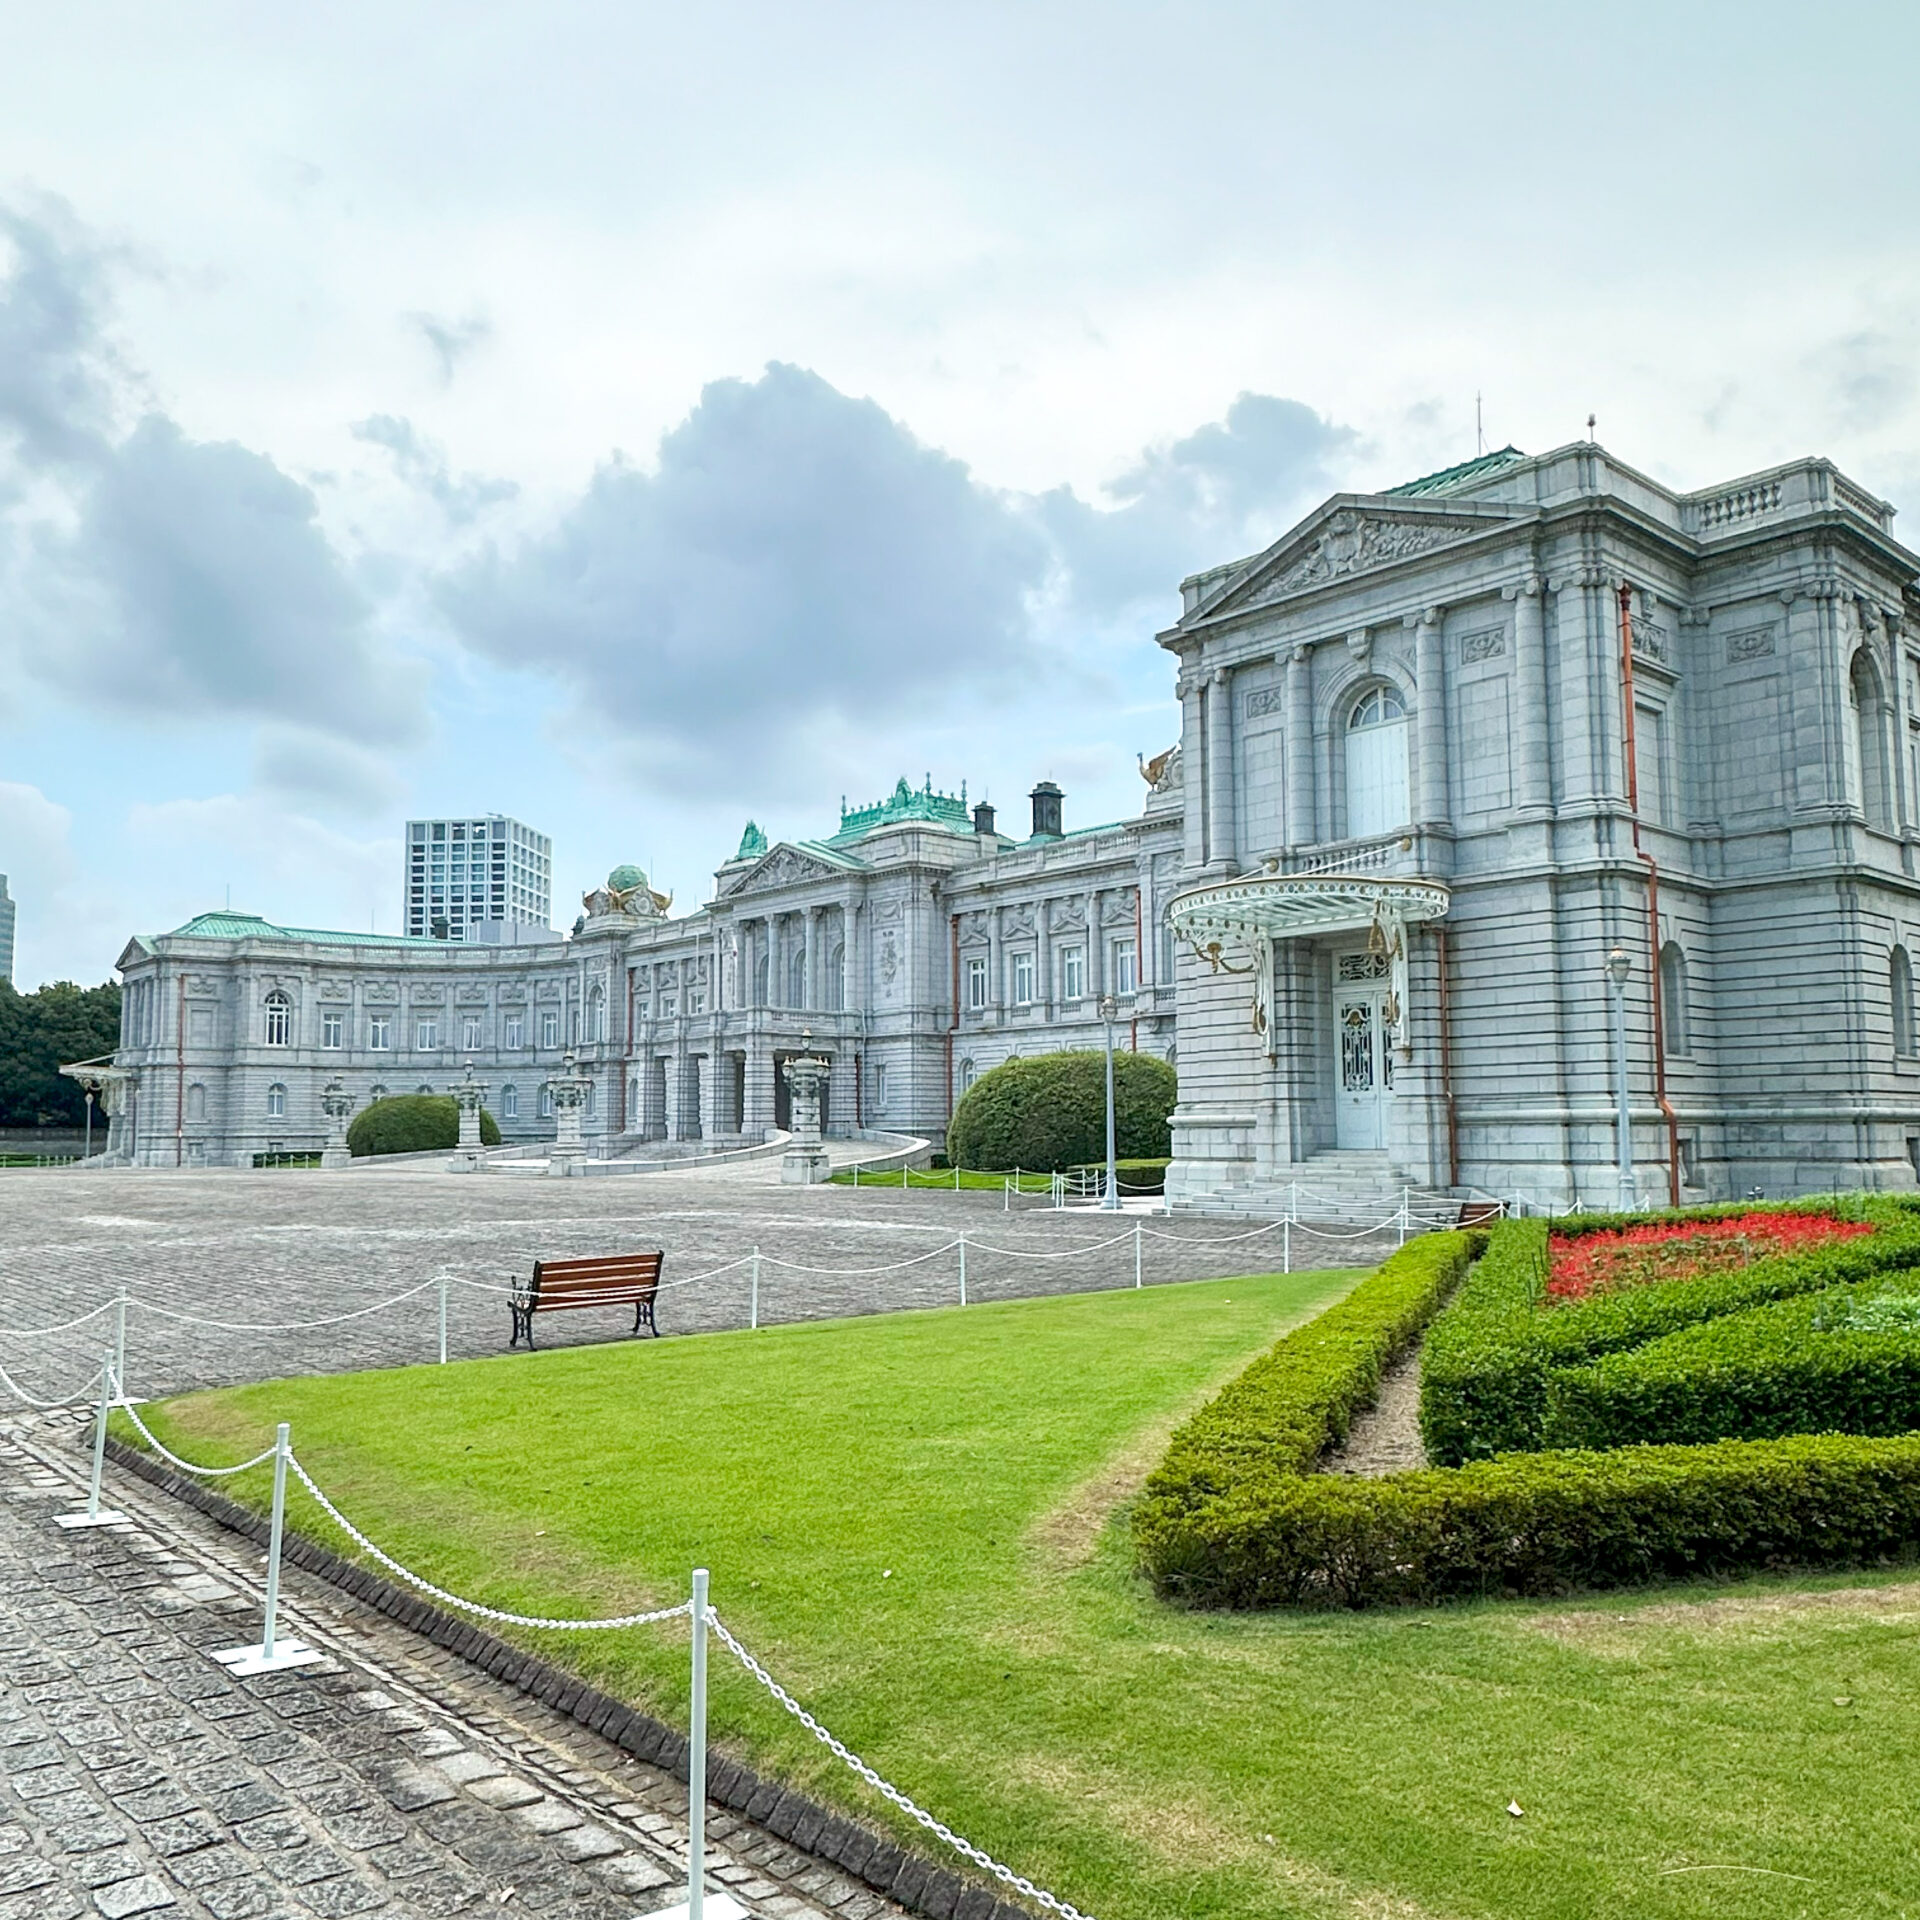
point(1265, 700)
point(1066, 916)
point(1488, 644)
point(1652, 642)
point(336, 990)
point(1750, 643)
point(380, 992)
point(1351, 542)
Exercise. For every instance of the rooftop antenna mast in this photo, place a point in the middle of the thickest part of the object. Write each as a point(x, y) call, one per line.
point(1479, 430)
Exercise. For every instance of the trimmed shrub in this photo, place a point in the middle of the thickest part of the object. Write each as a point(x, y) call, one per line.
point(1050, 1113)
point(1547, 1522)
point(1135, 1176)
point(1843, 1361)
point(413, 1123)
point(1275, 1421)
point(1485, 1374)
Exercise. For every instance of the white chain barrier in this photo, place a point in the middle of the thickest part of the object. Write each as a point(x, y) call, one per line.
point(885, 1788)
point(474, 1607)
point(187, 1466)
point(70, 1399)
point(284, 1326)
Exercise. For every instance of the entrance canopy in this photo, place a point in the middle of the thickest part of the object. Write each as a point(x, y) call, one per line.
point(1299, 906)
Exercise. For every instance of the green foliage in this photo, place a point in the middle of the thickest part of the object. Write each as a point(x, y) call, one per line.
point(1549, 1522)
point(1488, 1363)
point(1847, 1360)
point(42, 1031)
point(413, 1123)
point(1049, 1113)
point(1134, 1176)
point(1249, 1445)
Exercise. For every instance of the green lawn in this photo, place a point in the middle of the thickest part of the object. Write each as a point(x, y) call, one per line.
point(912, 1179)
point(910, 1518)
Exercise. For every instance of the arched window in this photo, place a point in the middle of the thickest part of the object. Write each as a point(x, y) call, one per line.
point(797, 977)
point(510, 1102)
point(276, 1102)
point(597, 1016)
point(423, 1088)
point(279, 1019)
point(546, 1103)
point(1673, 999)
point(1900, 979)
point(760, 978)
point(1377, 793)
point(1867, 756)
point(196, 1102)
point(379, 1093)
point(837, 979)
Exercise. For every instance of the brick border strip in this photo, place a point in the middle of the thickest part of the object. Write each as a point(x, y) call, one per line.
point(888, 1868)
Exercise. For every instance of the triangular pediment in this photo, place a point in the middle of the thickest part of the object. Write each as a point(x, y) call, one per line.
point(785, 866)
point(1350, 534)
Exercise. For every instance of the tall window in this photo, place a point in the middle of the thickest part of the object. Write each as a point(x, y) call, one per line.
point(1073, 973)
point(1377, 795)
point(1673, 1000)
point(276, 1102)
point(1650, 765)
point(550, 1027)
point(426, 1034)
point(1867, 756)
point(1900, 978)
point(879, 1089)
point(837, 979)
point(333, 1030)
point(1126, 967)
point(797, 977)
point(516, 1030)
point(470, 1032)
point(379, 1031)
point(597, 1016)
point(510, 1103)
point(1023, 979)
point(546, 1103)
point(976, 982)
point(196, 1102)
point(279, 1019)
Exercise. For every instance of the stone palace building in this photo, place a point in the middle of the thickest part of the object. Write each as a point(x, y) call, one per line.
point(1446, 752)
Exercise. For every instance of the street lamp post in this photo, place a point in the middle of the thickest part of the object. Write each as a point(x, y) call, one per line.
point(1619, 970)
point(1109, 1007)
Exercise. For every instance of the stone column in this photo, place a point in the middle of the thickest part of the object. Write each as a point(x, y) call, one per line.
point(805, 1163)
point(1043, 957)
point(758, 1119)
point(1429, 667)
point(1220, 834)
point(568, 1154)
point(1096, 948)
point(337, 1104)
point(1194, 758)
point(1533, 787)
point(1301, 830)
point(816, 978)
point(468, 1098)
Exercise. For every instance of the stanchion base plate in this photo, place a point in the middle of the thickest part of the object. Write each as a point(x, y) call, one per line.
point(716, 1906)
point(101, 1519)
point(286, 1653)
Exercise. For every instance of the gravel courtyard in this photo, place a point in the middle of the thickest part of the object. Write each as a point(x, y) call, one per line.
point(266, 1251)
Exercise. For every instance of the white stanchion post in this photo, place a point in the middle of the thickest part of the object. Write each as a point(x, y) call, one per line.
point(697, 1756)
point(956, 1179)
point(1006, 1195)
point(1286, 1244)
point(753, 1310)
point(1404, 1192)
point(1136, 1253)
point(272, 1655)
point(93, 1514)
point(963, 1269)
point(903, 1176)
point(443, 1319)
point(120, 1342)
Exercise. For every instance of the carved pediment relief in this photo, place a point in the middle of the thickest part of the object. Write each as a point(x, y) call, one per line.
point(513, 996)
point(381, 992)
point(202, 983)
point(1019, 921)
point(549, 990)
point(335, 990)
point(1067, 916)
point(784, 867)
point(1118, 909)
point(973, 929)
point(472, 996)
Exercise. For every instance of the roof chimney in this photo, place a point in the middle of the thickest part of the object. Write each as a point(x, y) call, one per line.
point(983, 821)
point(1046, 798)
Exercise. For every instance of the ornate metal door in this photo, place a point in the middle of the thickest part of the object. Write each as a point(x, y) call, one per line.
point(1363, 1061)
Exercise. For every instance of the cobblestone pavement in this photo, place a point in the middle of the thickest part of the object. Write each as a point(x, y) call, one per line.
point(273, 1248)
point(136, 1776)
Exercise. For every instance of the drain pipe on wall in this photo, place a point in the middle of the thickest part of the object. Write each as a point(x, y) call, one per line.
point(1446, 1056)
point(1627, 732)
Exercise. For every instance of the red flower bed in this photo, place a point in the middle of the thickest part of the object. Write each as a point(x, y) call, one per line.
point(1581, 1264)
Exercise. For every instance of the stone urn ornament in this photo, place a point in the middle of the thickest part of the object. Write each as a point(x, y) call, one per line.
point(569, 1088)
point(469, 1096)
point(337, 1104)
point(805, 1163)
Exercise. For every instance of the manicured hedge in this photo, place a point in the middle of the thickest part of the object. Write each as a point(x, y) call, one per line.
point(1135, 1176)
point(1489, 1361)
point(413, 1123)
point(1270, 1426)
point(1050, 1113)
point(1542, 1523)
point(1845, 1360)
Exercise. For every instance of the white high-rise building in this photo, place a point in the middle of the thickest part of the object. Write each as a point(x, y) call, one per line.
point(475, 879)
point(6, 931)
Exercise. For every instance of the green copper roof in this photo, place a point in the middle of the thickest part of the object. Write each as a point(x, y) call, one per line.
point(250, 926)
point(623, 879)
point(1452, 479)
point(903, 806)
point(753, 843)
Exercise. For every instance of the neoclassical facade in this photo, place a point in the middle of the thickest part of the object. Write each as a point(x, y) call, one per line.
point(1459, 762)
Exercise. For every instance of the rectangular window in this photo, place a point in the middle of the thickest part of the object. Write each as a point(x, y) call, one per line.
point(426, 1035)
point(976, 983)
point(550, 1028)
point(510, 1103)
point(879, 1089)
point(669, 1006)
point(470, 1032)
point(546, 1103)
point(516, 1027)
point(380, 1032)
point(696, 999)
point(333, 1030)
point(1125, 967)
point(1650, 764)
point(276, 1103)
point(1073, 973)
point(1023, 979)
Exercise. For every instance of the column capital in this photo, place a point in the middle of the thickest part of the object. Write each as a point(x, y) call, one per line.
point(1530, 586)
point(1299, 654)
point(1220, 676)
point(1426, 617)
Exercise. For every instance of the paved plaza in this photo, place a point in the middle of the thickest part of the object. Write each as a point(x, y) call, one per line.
point(265, 1252)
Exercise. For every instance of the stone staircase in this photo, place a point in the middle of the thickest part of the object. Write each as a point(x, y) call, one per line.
point(1347, 1189)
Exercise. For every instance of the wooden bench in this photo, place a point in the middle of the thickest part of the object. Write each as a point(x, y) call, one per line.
point(605, 1280)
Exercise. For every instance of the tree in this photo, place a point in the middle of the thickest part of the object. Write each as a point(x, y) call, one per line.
point(39, 1033)
point(1050, 1113)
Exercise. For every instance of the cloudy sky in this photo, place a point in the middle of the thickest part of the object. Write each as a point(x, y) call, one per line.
point(636, 418)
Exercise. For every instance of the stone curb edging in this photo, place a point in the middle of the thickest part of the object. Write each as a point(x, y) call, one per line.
point(882, 1864)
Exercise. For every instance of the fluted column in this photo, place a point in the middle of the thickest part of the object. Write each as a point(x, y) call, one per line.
point(1429, 667)
point(1188, 690)
point(1301, 831)
point(1220, 835)
point(1533, 786)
